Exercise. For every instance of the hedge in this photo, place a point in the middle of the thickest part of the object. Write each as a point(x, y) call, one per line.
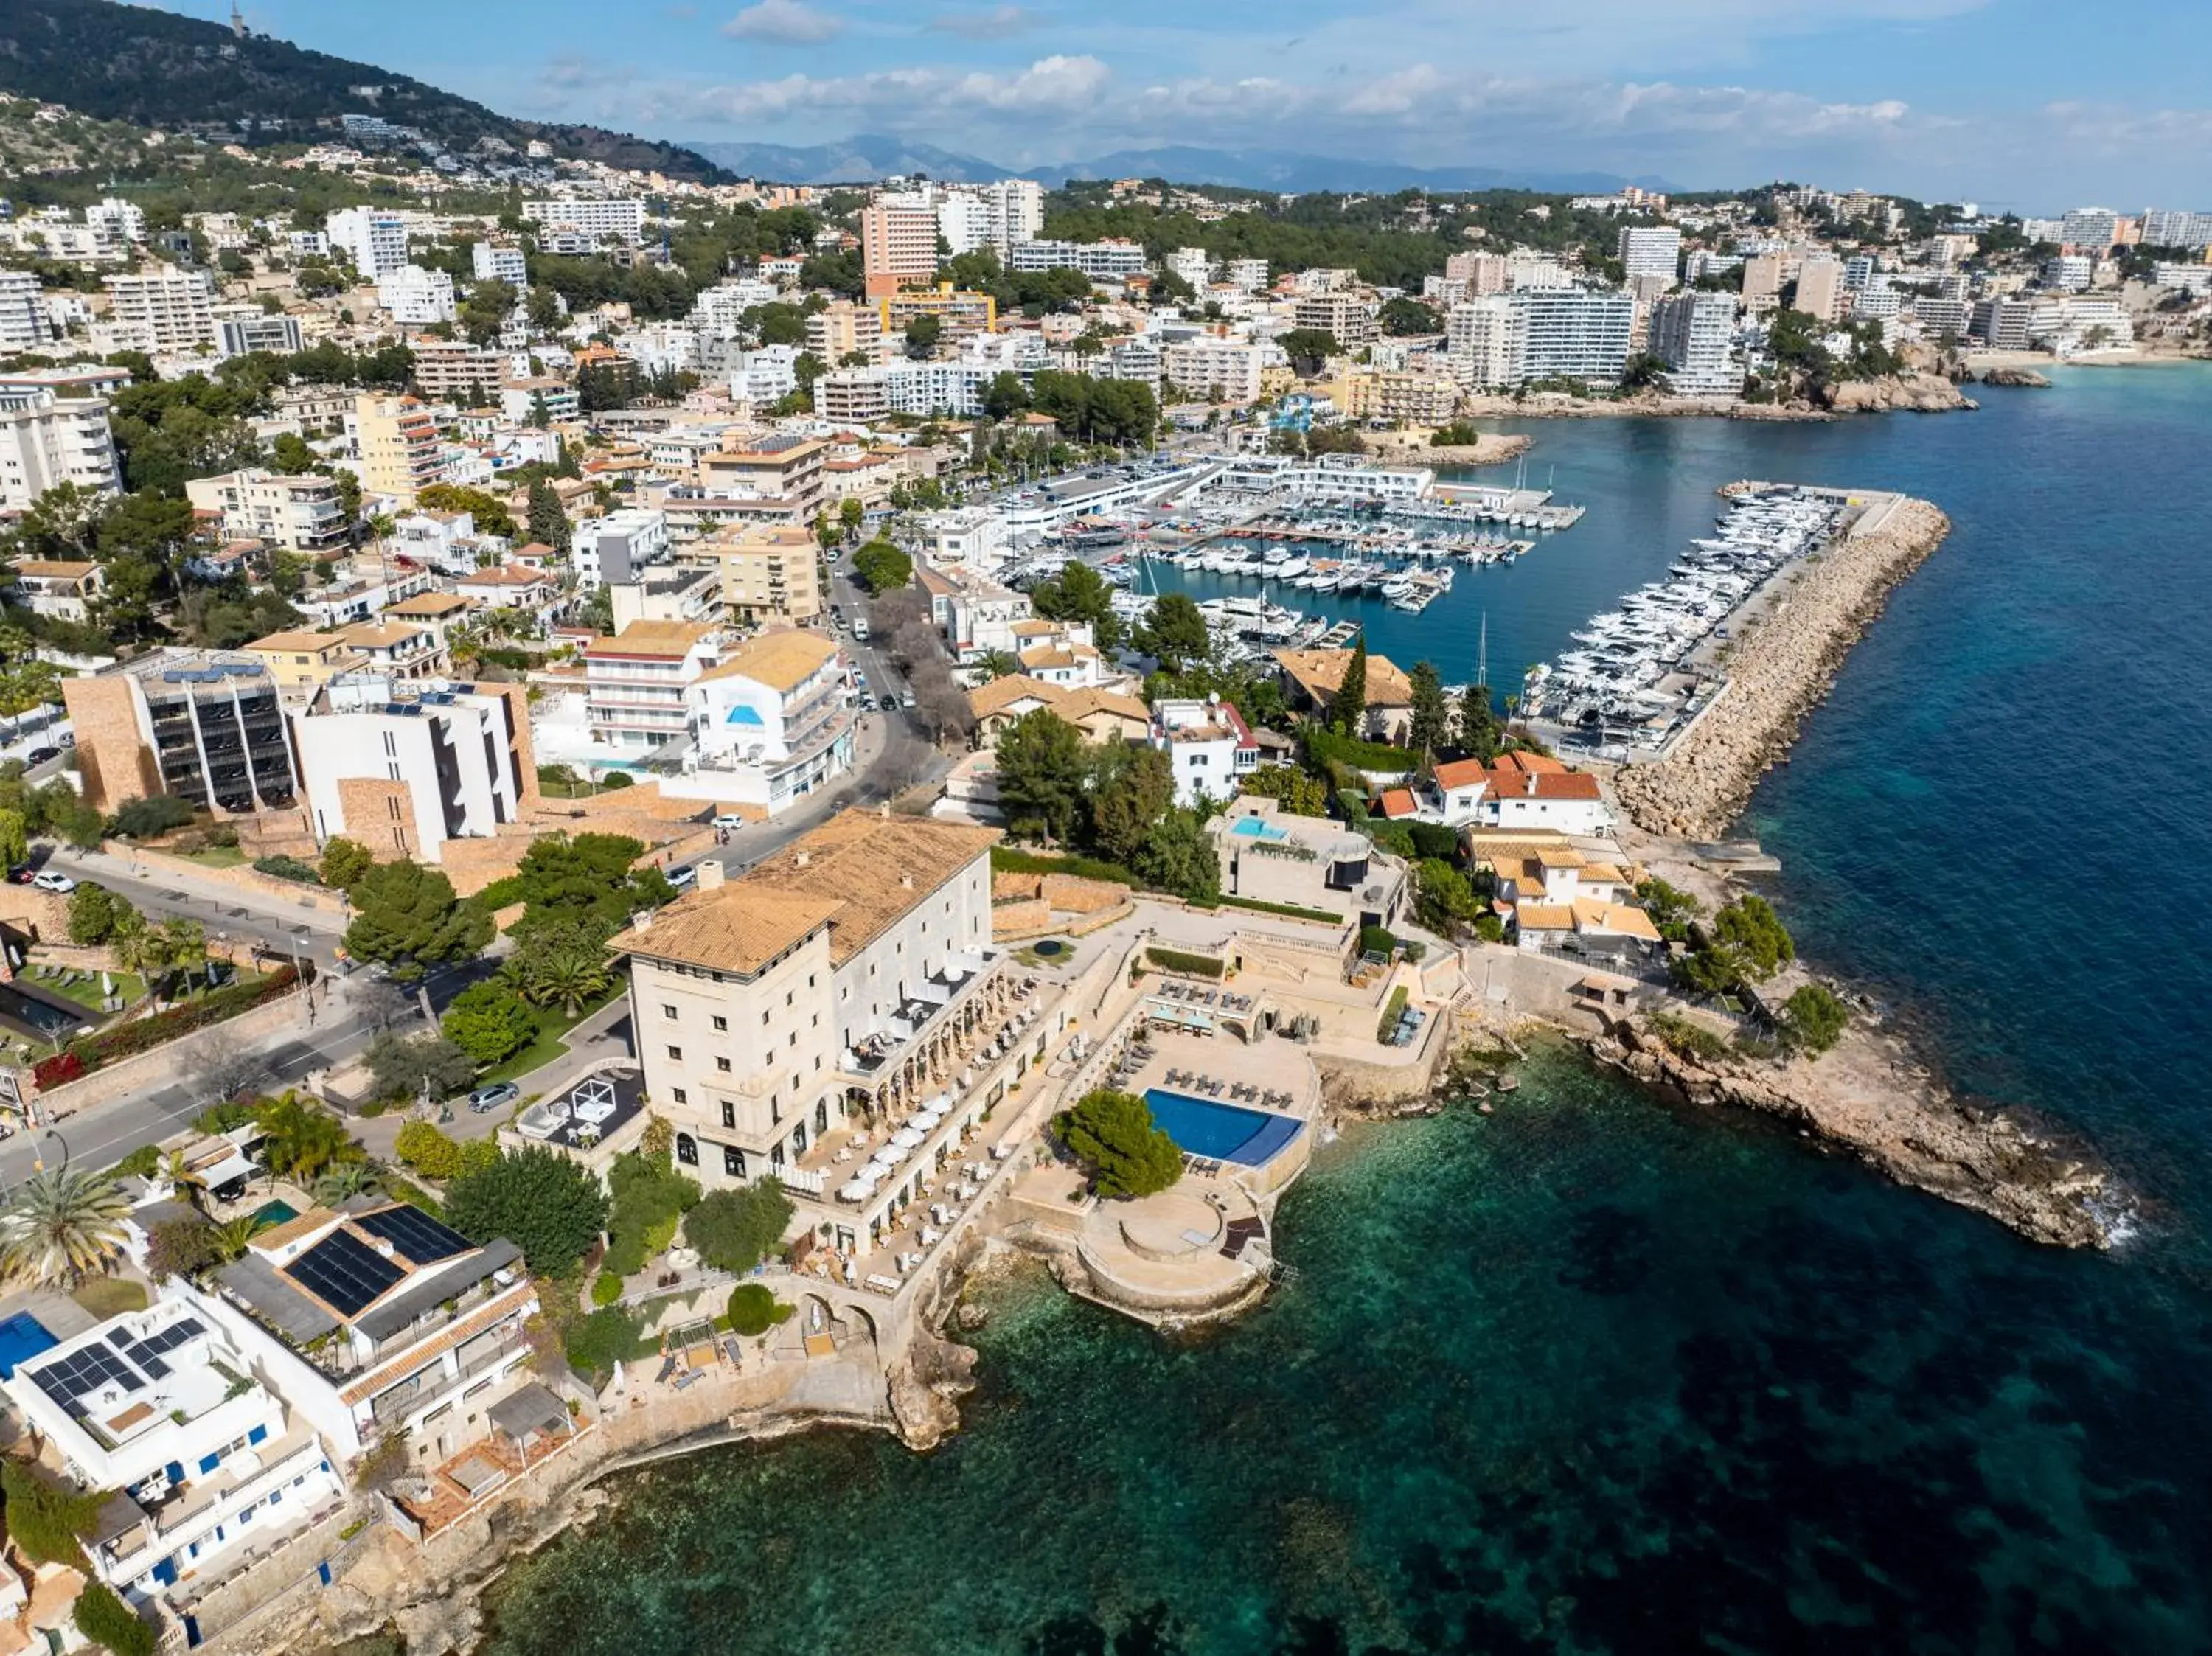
point(1174, 959)
point(1006, 860)
point(1326, 744)
point(1390, 1011)
point(1290, 909)
point(288, 868)
point(89, 1052)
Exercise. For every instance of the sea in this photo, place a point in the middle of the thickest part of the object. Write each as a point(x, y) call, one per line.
point(1597, 1375)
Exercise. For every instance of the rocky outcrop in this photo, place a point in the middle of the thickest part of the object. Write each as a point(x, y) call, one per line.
point(926, 1387)
point(1413, 448)
point(1916, 393)
point(1779, 667)
point(2011, 376)
point(1889, 1114)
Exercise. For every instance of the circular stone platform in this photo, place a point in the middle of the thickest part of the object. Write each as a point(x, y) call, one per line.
point(1172, 1225)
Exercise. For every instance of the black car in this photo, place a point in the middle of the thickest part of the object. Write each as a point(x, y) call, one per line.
point(20, 874)
point(39, 755)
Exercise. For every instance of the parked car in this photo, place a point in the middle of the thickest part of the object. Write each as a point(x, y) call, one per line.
point(39, 755)
point(729, 819)
point(20, 874)
point(682, 879)
point(52, 879)
point(490, 1098)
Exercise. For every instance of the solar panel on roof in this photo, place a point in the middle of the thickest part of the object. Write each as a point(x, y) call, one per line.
point(415, 1234)
point(68, 1378)
point(344, 1272)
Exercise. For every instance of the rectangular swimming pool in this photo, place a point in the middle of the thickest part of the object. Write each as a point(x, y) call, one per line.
point(1224, 1132)
point(22, 1336)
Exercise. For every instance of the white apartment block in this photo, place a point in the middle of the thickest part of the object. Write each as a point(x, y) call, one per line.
point(298, 513)
point(602, 219)
point(635, 682)
point(373, 237)
point(768, 724)
point(403, 766)
point(2068, 273)
point(2166, 228)
point(2070, 325)
point(2189, 278)
point(1695, 334)
point(721, 310)
point(416, 297)
point(1215, 369)
point(1485, 339)
point(2092, 228)
point(766, 375)
point(1101, 261)
point(859, 395)
point(244, 329)
point(46, 440)
point(23, 321)
point(493, 263)
point(167, 312)
point(1191, 265)
point(619, 546)
point(1574, 333)
point(1650, 251)
point(1250, 274)
point(1346, 318)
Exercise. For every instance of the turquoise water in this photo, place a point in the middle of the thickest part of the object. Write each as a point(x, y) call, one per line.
point(274, 1213)
point(22, 1336)
point(1596, 1375)
point(1227, 1132)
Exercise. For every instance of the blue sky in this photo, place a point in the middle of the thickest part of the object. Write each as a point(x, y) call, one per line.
point(2030, 104)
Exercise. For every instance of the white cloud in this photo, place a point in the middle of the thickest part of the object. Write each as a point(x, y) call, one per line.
point(992, 23)
point(784, 23)
point(916, 97)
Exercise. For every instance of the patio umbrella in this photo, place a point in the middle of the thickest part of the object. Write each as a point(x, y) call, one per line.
point(907, 1138)
point(857, 1190)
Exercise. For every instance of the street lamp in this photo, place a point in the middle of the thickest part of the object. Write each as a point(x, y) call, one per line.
point(38, 1161)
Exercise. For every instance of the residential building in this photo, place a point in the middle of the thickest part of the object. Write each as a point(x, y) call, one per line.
point(1695, 334)
point(1346, 318)
point(843, 328)
point(1417, 397)
point(997, 215)
point(299, 512)
point(416, 298)
point(635, 682)
point(491, 261)
point(855, 395)
point(1310, 679)
point(2075, 324)
point(1560, 896)
point(539, 400)
point(1209, 747)
point(1764, 274)
point(959, 312)
point(2068, 273)
point(898, 246)
point(172, 1416)
point(301, 662)
point(1821, 287)
point(619, 546)
point(1652, 250)
point(1101, 261)
point(1269, 856)
point(168, 312)
point(23, 322)
point(246, 330)
point(1101, 714)
point(619, 220)
point(973, 538)
point(768, 724)
point(454, 371)
point(1574, 333)
point(510, 586)
point(1486, 341)
point(822, 980)
point(47, 439)
point(2177, 229)
point(1483, 273)
point(1190, 264)
point(373, 237)
point(398, 442)
point(935, 388)
point(785, 468)
point(2001, 323)
point(1946, 319)
point(1250, 274)
point(208, 728)
point(1215, 369)
point(2092, 229)
point(403, 764)
point(65, 589)
point(395, 648)
point(1531, 790)
point(770, 573)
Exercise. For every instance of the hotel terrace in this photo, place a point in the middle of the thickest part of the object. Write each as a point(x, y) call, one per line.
point(843, 985)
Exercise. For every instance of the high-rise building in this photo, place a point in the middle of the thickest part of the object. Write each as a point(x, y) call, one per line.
point(1346, 318)
point(46, 440)
point(2092, 229)
point(164, 312)
point(23, 325)
point(1484, 273)
point(621, 218)
point(1821, 287)
point(843, 328)
point(399, 446)
point(492, 262)
point(1762, 281)
point(375, 239)
point(1695, 334)
point(2177, 229)
point(248, 330)
point(1484, 339)
point(898, 246)
point(1574, 333)
point(1653, 250)
point(416, 298)
point(1101, 261)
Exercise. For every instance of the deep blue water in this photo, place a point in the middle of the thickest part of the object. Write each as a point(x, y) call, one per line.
point(1596, 1375)
point(1227, 1132)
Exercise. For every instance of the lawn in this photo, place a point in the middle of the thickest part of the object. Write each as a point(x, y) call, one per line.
point(109, 1297)
point(85, 992)
point(214, 857)
point(553, 1028)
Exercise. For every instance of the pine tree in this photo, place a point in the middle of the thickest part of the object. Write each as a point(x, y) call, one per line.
point(1478, 736)
point(549, 524)
point(1431, 723)
point(1349, 714)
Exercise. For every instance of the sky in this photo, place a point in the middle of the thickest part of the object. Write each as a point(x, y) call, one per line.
point(2024, 105)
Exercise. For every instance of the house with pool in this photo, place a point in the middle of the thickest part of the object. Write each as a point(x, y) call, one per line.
point(1312, 863)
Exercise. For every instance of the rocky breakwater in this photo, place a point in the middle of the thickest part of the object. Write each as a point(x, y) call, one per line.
point(1778, 667)
point(1870, 1097)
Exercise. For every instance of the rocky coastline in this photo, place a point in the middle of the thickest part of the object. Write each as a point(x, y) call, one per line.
point(1916, 391)
point(1412, 448)
point(1779, 667)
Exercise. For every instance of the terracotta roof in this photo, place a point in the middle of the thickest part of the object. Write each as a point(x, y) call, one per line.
point(429, 604)
point(1399, 802)
point(299, 640)
point(1619, 919)
point(509, 574)
point(730, 930)
point(1047, 655)
point(1461, 773)
point(1004, 692)
point(1081, 704)
point(651, 638)
point(1513, 782)
point(55, 568)
point(368, 635)
point(781, 660)
point(878, 867)
point(1318, 673)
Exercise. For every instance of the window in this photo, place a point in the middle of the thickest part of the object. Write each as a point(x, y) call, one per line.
point(733, 1162)
point(676, 1052)
point(729, 1113)
point(763, 1020)
point(721, 1024)
point(687, 1149)
point(723, 1064)
point(677, 1093)
point(666, 1010)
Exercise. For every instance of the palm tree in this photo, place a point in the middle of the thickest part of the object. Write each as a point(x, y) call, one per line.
point(232, 1235)
point(62, 1227)
point(183, 945)
point(300, 1141)
point(568, 974)
point(1000, 664)
point(345, 1180)
point(185, 1181)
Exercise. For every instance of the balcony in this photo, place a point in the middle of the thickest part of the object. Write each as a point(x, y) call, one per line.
point(921, 1015)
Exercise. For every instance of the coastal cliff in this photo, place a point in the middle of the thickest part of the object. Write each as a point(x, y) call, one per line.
point(1779, 668)
point(1910, 393)
point(1870, 1097)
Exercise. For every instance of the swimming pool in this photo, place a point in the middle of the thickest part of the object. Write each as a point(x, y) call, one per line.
point(1225, 1132)
point(22, 1336)
point(275, 1213)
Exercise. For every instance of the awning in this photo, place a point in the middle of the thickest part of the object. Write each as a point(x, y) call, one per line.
point(532, 1408)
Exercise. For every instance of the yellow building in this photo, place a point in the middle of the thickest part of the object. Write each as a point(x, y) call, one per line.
point(399, 448)
point(1421, 399)
point(960, 311)
point(302, 662)
point(770, 573)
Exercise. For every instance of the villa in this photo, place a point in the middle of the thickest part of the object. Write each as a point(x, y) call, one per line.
point(1310, 679)
point(1268, 855)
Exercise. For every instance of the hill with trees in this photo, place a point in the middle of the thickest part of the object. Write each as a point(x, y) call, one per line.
point(156, 69)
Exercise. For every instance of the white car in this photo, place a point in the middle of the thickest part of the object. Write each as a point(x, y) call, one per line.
point(730, 819)
point(52, 879)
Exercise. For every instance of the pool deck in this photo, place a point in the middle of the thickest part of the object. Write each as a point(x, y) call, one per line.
point(1271, 1064)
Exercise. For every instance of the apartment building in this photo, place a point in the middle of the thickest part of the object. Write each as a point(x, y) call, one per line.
point(23, 322)
point(1821, 287)
point(1483, 273)
point(822, 978)
point(1214, 369)
point(209, 728)
point(1695, 334)
point(47, 439)
point(416, 298)
point(768, 724)
point(1101, 261)
point(634, 683)
point(856, 396)
point(166, 1409)
point(619, 546)
point(402, 764)
point(1485, 341)
point(299, 514)
point(770, 573)
point(2092, 229)
point(1574, 333)
point(491, 261)
point(1650, 251)
point(242, 331)
point(898, 246)
point(167, 312)
point(454, 371)
point(373, 237)
point(1210, 749)
point(959, 312)
point(398, 441)
point(843, 329)
point(614, 219)
point(1346, 318)
point(997, 216)
point(1764, 274)
point(1418, 397)
point(1191, 265)
point(2170, 228)
point(784, 468)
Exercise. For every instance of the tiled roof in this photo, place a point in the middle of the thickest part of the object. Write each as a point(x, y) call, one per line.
point(877, 867)
point(1319, 672)
point(728, 929)
point(781, 660)
point(651, 638)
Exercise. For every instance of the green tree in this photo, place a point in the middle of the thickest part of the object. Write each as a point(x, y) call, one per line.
point(588, 876)
point(181, 1248)
point(1300, 794)
point(882, 568)
point(344, 861)
point(1041, 770)
point(1403, 315)
point(486, 510)
point(102, 1617)
point(1430, 729)
point(922, 333)
point(549, 524)
point(428, 1151)
point(1646, 371)
point(418, 1066)
point(1178, 856)
point(407, 917)
point(14, 839)
point(850, 515)
point(753, 1309)
point(1348, 711)
point(489, 1021)
point(1308, 347)
point(1132, 785)
point(1670, 909)
point(1113, 1135)
point(1443, 900)
point(1479, 736)
point(142, 819)
point(1005, 396)
point(48, 1521)
point(1175, 633)
point(1080, 593)
point(565, 967)
point(62, 1226)
point(485, 311)
point(92, 913)
point(736, 1230)
point(547, 1205)
point(1751, 925)
point(1813, 1019)
point(299, 1140)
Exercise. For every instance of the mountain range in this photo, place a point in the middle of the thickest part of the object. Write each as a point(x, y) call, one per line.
point(874, 156)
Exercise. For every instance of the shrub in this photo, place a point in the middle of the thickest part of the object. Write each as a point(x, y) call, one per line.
point(288, 868)
point(428, 1151)
point(90, 1052)
point(141, 818)
point(1380, 757)
point(550, 1207)
point(503, 894)
point(1378, 940)
point(597, 1343)
point(1113, 1134)
point(735, 1229)
point(1290, 909)
point(142, 1163)
point(1690, 1038)
point(181, 1248)
point(606, 1288)
point(755, 1310)
point(1004, 859)
point(1813, 1019)
point(344, 861)
point(46, 1520)
point(489, 1021)
point(106, 1620)
point(1433, 839)
point(1175, 960)
point(1388, 1023)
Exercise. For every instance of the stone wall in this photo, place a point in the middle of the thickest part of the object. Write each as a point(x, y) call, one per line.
point(266, 889)
point(152, 1071)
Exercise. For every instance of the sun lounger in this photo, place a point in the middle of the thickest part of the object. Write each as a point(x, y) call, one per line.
point(667, 1368)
